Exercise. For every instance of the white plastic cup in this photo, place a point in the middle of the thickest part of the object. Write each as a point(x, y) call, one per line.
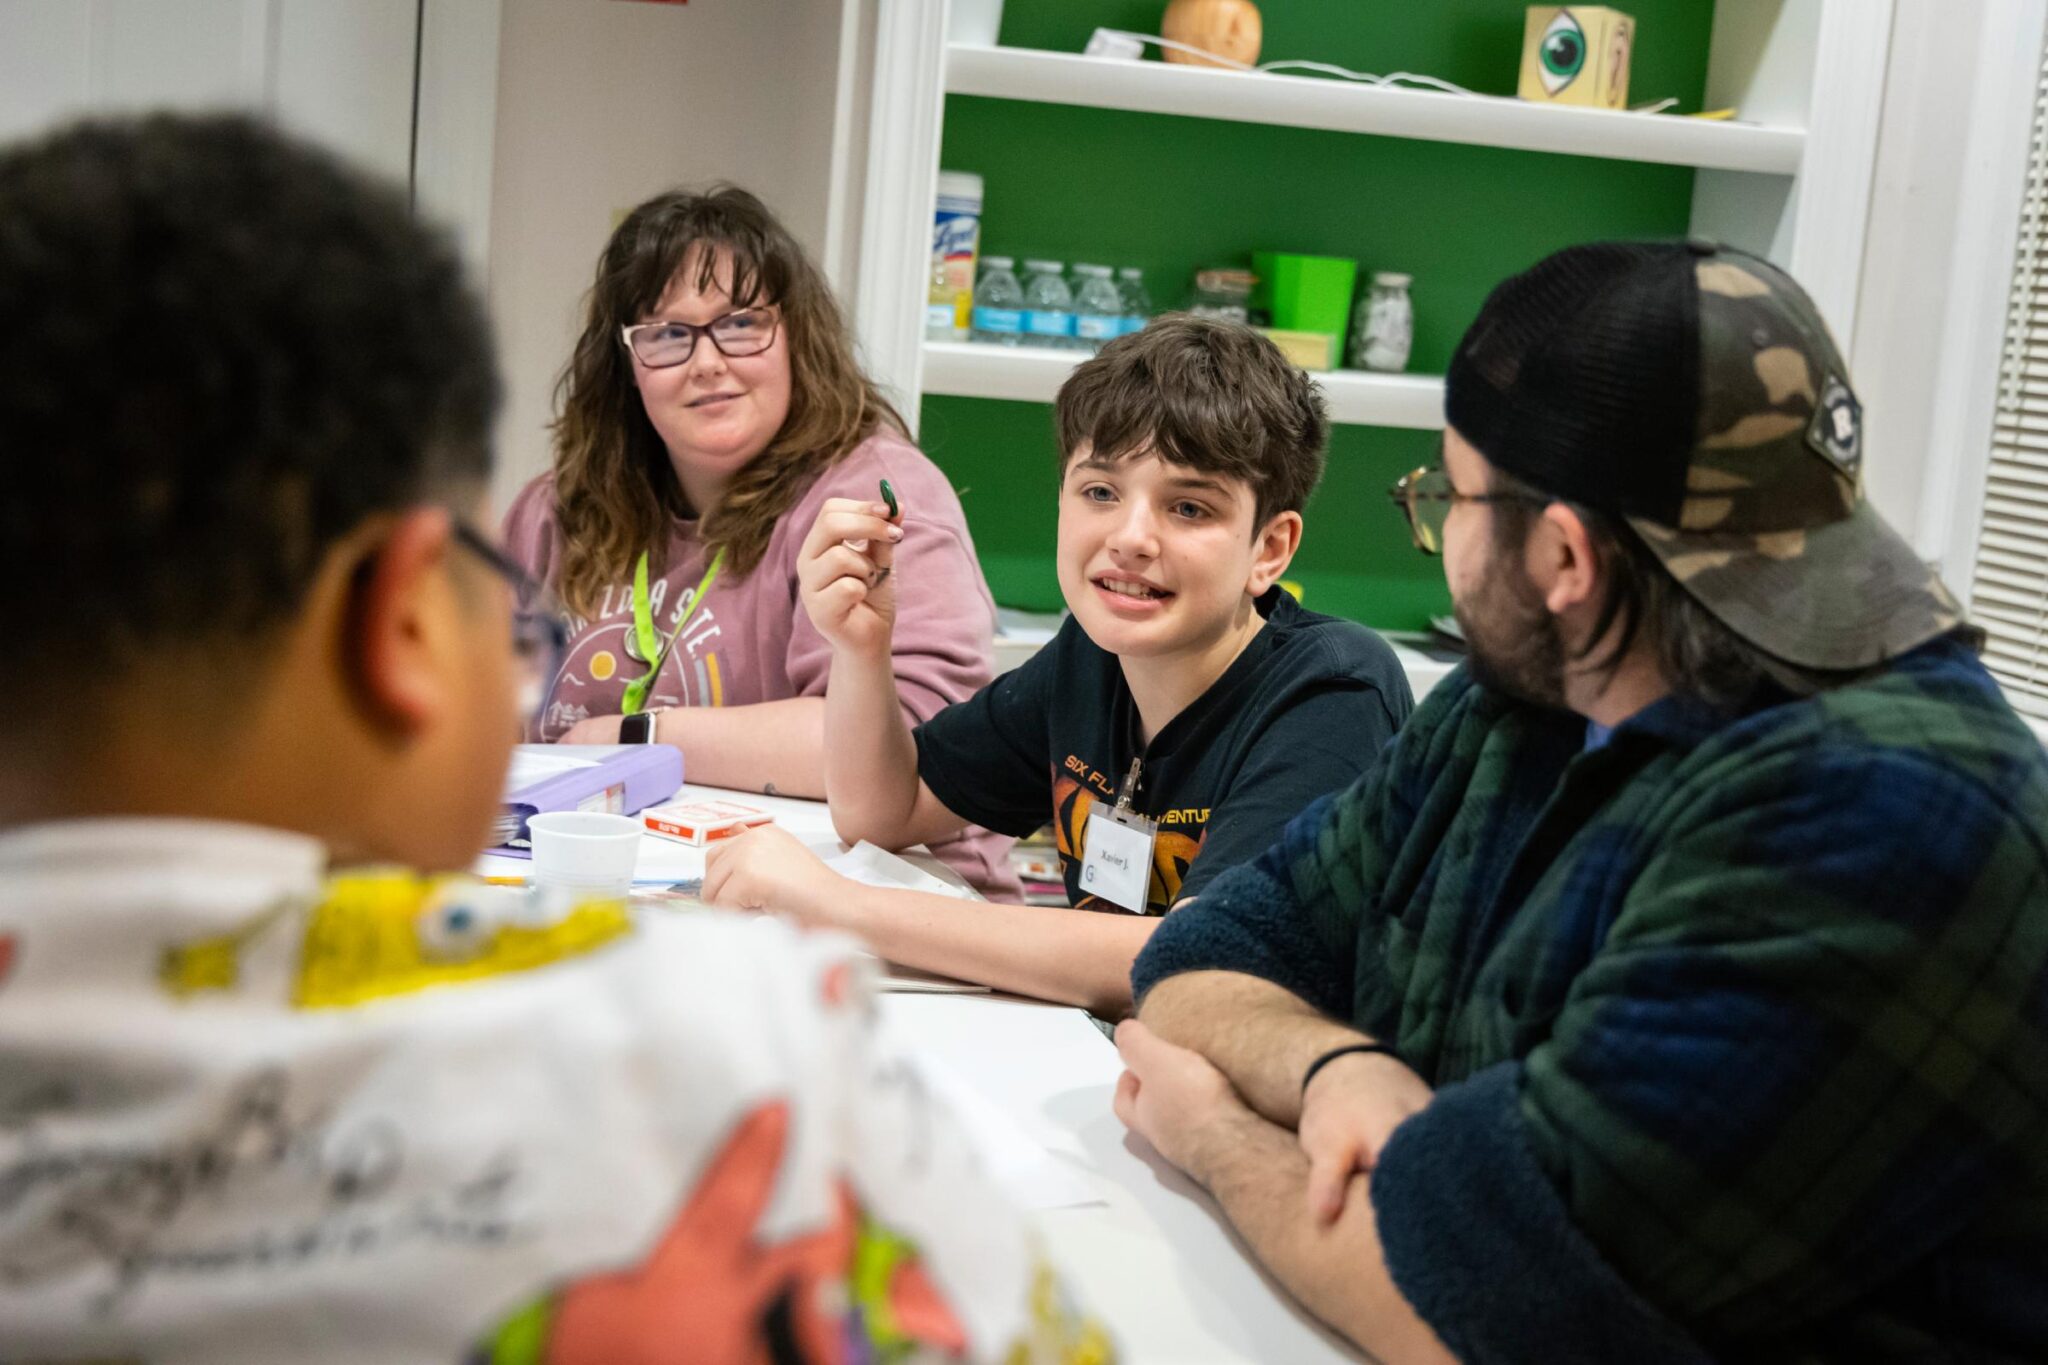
point(589, 853)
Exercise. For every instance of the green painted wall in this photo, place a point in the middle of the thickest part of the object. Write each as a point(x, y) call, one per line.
point(1172, 194)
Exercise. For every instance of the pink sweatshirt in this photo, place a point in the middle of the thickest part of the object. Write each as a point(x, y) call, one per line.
point(751, 639)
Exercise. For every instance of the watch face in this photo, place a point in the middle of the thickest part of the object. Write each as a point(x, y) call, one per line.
point(638, 729)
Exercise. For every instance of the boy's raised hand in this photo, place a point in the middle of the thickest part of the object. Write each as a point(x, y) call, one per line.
point(845, 571)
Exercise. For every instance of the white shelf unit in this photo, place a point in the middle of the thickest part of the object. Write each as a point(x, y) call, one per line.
point(1033, 374)
point(1313, 102)
point(1791, 181)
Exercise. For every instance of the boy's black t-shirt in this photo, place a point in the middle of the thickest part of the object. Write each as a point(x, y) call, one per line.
point(1303, 711)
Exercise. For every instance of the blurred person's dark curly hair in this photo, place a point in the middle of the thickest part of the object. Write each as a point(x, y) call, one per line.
point(221, 351)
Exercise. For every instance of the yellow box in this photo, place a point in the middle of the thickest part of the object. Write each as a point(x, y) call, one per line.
point(1577, 54)
point(1307, 350)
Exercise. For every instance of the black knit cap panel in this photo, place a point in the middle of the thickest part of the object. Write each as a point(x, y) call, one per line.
point(1580, 377)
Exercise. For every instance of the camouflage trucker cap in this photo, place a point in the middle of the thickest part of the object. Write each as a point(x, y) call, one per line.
point(1694, 390)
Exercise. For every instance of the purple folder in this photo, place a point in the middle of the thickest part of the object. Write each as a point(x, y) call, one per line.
point(623, 779)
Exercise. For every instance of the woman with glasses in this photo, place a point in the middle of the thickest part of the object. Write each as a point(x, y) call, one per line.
point(712, 406)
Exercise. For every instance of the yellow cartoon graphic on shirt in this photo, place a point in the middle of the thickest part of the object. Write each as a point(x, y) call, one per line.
point(383, 934)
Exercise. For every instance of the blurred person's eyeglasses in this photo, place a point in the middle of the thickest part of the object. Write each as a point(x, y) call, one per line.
point(1427, 496)
point(742, 332)
point(540, 633)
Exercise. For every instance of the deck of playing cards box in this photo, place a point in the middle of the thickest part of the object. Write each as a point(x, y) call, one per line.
point(704, 822)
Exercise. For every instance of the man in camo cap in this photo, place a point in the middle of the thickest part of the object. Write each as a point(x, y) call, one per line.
point(1673, 988)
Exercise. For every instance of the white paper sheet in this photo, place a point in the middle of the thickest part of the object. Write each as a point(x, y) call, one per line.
point(533, 762)
point(871, 865)
point(897, 977)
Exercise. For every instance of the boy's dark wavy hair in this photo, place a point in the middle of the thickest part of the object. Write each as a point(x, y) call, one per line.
point(1205, 393)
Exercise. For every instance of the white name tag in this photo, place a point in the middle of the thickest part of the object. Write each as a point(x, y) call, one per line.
point(1116, 859)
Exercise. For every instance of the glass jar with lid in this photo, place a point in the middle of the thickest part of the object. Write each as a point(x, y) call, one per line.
point(1223, 293)
point(1383, 328)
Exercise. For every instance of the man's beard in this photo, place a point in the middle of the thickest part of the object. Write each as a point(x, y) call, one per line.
point(1512, 640)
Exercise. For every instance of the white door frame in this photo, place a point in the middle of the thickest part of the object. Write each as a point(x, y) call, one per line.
point(902, 178)
point(2008, 71)
point(456, 125)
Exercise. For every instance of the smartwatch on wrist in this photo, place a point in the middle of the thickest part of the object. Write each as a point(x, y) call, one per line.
point(637, 729)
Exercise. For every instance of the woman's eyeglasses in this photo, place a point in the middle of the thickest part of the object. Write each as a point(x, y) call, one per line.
point(743, 332)
point(1427, 496)
point(540, 634)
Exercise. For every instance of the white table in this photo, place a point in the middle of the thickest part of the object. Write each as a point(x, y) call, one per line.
point(1154, 1259)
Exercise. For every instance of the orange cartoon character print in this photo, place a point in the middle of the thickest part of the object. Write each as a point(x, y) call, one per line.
point(849, 1293)
point(710, 1293)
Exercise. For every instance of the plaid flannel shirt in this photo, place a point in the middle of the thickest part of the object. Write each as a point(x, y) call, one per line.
point(1739, 1024)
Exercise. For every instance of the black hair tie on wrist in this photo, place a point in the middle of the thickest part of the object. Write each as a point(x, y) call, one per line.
point(1334, 1053)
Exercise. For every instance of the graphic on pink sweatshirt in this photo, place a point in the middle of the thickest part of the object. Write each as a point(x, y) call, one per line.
point(602, 656)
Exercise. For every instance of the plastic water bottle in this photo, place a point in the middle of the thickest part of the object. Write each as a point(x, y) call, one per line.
point(1137, 304)
point(1048, 306)
point(1098, 309)
point(998, 304)
point(1077, 276)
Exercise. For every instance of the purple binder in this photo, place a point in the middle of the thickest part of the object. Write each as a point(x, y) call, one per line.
point(623, 779)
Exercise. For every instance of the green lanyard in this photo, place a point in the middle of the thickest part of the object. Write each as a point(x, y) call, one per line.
point(652, 646)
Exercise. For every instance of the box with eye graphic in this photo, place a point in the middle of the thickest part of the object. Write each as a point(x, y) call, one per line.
point(1577, 54)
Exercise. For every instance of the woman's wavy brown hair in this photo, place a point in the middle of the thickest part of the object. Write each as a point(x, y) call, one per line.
point(615, 490)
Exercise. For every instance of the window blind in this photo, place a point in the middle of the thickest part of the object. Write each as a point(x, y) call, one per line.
point(2009, 587)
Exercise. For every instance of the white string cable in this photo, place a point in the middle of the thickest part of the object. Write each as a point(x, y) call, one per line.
point(1398, 78)
point(1401, 78)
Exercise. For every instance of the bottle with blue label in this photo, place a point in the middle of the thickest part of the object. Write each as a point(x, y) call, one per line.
point(1098, 308)
point(998, 304)
point(1137, 304)
point(1077, 276)
point(1048, 306)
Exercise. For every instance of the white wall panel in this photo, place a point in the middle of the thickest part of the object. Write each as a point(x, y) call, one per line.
point(338, 71)
point(601, 105)
point(45, 61)
point(343, 73)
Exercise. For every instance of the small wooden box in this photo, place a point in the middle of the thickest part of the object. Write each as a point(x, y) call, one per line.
point(1577, 54)
point(1304, 350)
